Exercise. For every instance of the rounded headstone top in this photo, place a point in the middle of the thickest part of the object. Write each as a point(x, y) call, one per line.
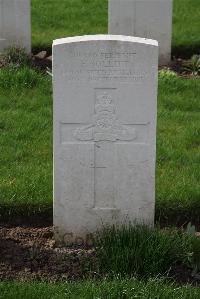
point(105, 37)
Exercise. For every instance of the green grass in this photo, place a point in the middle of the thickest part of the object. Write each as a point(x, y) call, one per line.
point(117, 289)
point(63, 18)
point(26, 139)
point(186, 24)
point(26, 144)
point(178, 147)
point(144, 252)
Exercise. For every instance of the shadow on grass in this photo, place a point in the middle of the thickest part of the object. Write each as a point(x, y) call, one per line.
point(43, 216)
point(39, 48)
point(185, 51)
point(178, 217)
point(26, 215)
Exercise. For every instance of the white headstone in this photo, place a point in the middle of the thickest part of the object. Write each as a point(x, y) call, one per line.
point(144, 18)
point(15, 24)
point(105, 90)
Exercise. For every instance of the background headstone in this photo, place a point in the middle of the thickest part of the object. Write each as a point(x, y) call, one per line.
point(144, 18)
point(15, 24)
point(105, 90)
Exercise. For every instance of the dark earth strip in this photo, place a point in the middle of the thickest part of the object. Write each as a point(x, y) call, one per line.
point(29, 253)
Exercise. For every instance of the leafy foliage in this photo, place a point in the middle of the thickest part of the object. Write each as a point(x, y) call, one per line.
point(193, 65)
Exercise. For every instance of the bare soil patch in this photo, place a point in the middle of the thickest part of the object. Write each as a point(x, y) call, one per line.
point(28, 253)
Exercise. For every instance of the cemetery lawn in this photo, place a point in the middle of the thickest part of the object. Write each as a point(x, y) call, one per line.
point(26, 141)
point(26, 146)
point(77, 17)
point(116, 289)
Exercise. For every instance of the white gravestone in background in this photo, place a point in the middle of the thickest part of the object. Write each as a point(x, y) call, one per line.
point(15, 24)
point(105, 90)
point(144, 18)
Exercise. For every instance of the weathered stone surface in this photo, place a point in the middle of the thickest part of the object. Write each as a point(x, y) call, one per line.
point(3, 44)
point(15, 24)
point(144, 18)
point(105, 90)
point(49, 58)
point(41, 55)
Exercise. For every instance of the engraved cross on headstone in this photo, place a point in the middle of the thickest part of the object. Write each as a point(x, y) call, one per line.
point(104, 130)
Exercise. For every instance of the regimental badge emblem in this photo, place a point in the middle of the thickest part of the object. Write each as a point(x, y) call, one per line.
point(105, 126)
